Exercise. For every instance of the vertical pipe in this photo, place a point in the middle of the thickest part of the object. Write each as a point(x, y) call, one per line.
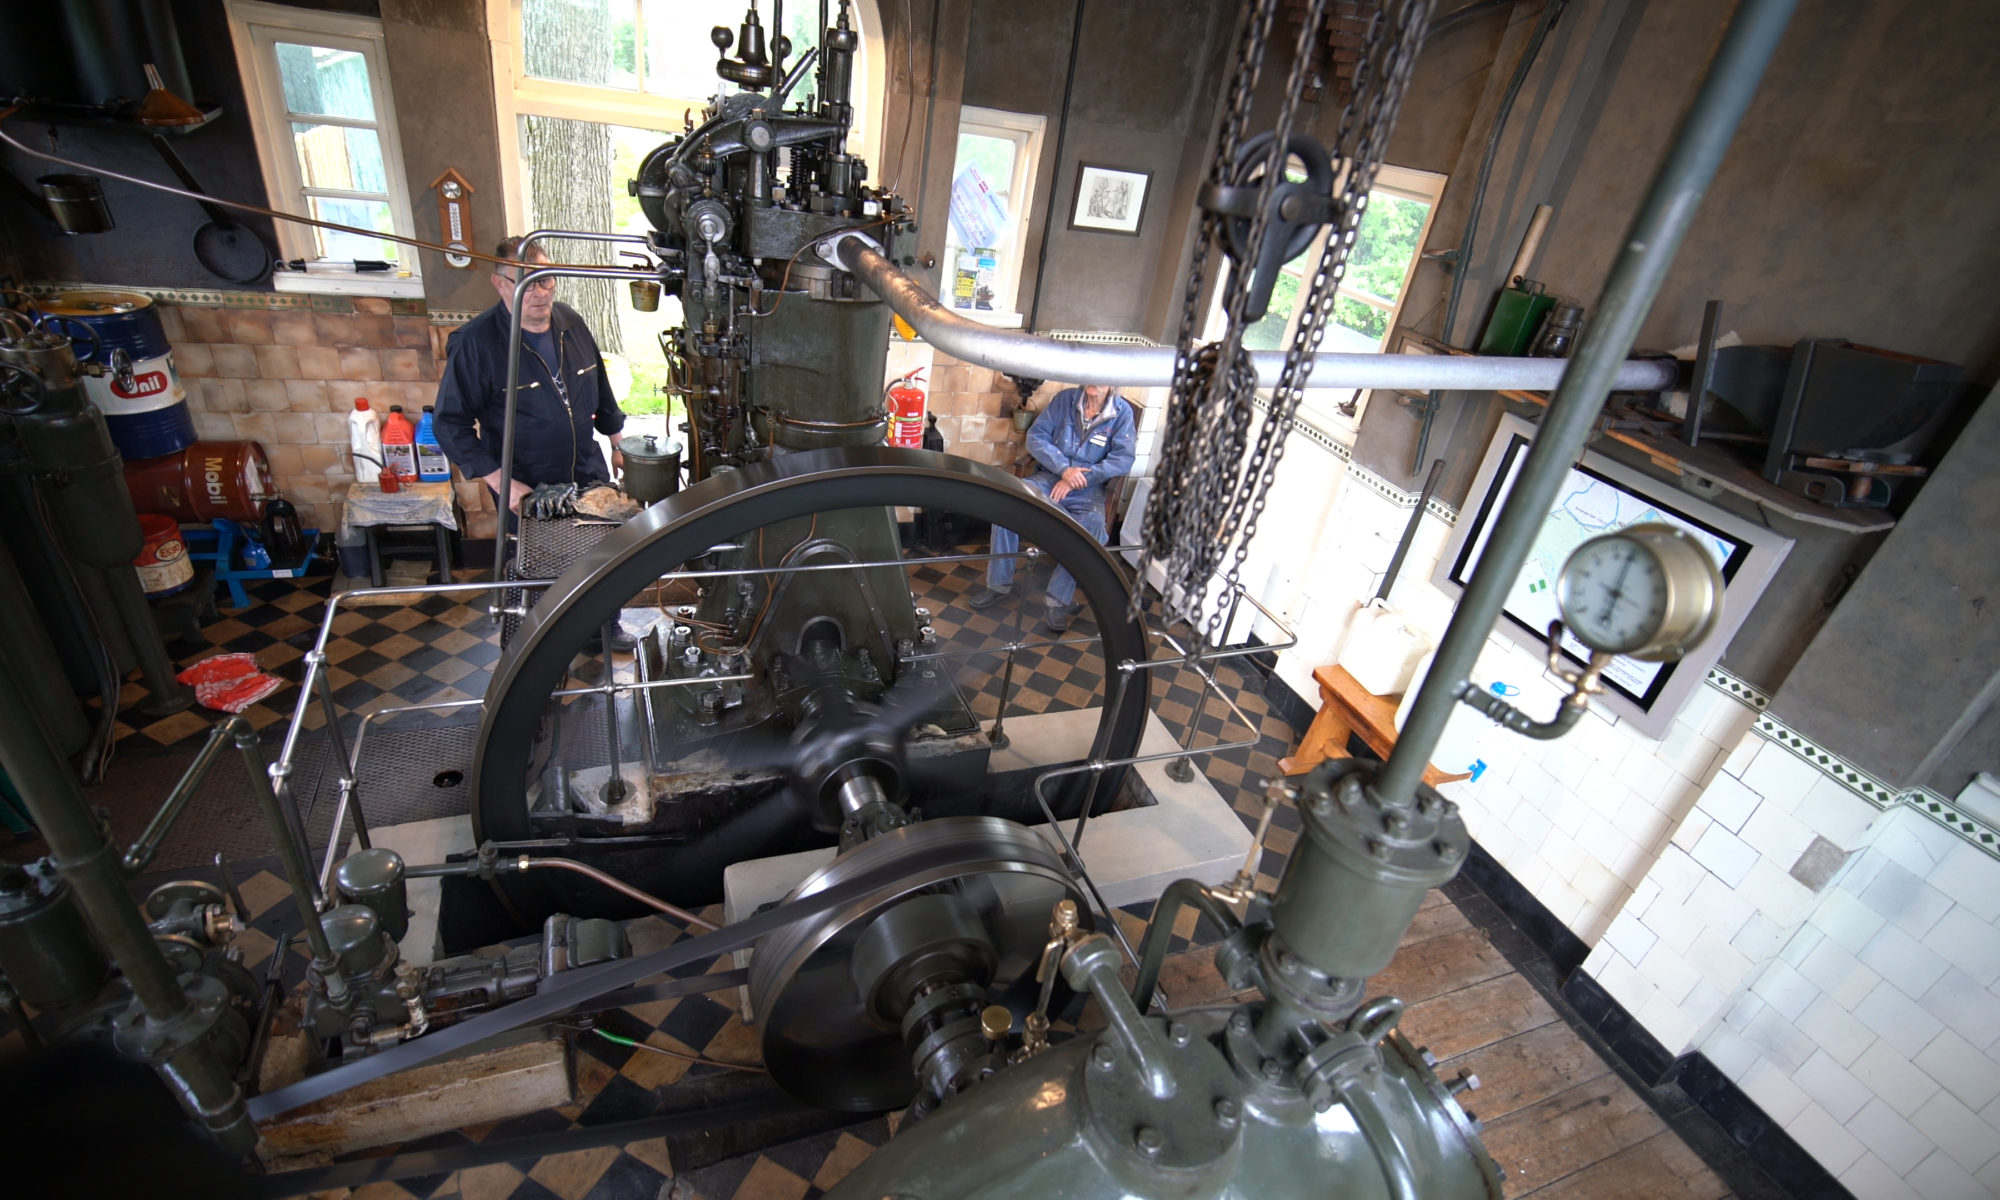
point(292, 856)
point(168, 693)
point(1648, 250)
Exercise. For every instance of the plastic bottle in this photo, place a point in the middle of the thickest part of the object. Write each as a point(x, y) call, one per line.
point(432, 465)
point(399, 443)
point(364, 439)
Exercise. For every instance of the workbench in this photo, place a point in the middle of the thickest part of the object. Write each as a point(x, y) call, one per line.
point(1345, 709)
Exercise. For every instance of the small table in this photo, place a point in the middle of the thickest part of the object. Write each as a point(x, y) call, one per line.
point(414, 505)
point(1344, 709)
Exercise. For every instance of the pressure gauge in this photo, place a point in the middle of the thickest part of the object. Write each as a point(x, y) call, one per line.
point(1649, 592)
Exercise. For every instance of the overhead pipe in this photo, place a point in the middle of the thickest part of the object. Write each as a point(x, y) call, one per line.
point(1647, 250)
point(1153, 366)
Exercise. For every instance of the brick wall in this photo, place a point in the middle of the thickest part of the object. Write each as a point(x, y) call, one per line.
point(287, 377)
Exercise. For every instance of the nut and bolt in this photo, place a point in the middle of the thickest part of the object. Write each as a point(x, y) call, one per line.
point(1104, 1056)
point(1271, 1070)
point(1179, 1034)
point(1395, 822)
point(1321, 804)
point(1466, 1082)
point(1380, 849)
point(1149, 1140)
point(1447, 851)
point(1240, 1023)
point(1227, 1114)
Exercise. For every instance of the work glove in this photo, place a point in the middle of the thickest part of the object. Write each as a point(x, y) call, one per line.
point(549, 501)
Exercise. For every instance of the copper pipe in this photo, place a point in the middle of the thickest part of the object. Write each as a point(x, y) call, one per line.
point(622, 888)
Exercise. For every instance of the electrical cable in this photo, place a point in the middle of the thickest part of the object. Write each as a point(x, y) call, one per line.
point(607, 1035)
point(785, 280)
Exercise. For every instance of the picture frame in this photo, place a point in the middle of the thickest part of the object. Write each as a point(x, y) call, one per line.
point(1109, 199)
point(1407, 341)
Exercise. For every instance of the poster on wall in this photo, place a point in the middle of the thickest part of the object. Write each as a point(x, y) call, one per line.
point(1109, 199)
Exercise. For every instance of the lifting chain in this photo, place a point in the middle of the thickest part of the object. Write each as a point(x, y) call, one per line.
point(1219, 458)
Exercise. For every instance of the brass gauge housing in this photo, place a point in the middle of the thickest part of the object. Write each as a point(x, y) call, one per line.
point(1649, 592)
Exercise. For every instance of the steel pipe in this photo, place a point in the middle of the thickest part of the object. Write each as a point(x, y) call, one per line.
point(1153, 366)
point(1647, 251)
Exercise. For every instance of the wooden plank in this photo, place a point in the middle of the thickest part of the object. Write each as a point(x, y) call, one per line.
point(1569, 1131)
point(1433, 898)
point(1439, 965)
point(1190, 978)
point(1660, 1168)
point(1524, 1069)
point(1434, 921)
point(1480, 1015)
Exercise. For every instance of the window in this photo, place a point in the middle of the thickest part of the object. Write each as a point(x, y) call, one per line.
point(1387, 245)
point(992, 191)
point(318, 89)
point(585, 89)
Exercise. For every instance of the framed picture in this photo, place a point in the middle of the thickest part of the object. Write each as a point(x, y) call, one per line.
point(1410, 342)
point(1109, 199)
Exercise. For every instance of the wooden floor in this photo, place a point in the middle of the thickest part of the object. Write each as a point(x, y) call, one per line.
point(1558, 1119)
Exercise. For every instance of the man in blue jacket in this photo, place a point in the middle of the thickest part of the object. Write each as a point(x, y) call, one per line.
point(1083, 439)
point(563, 393)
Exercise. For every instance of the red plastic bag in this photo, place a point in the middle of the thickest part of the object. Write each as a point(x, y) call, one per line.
point(235, 695)
point(220, 669)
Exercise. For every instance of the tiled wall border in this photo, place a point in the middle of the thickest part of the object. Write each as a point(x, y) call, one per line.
point(1929, 804)
point(213, 298)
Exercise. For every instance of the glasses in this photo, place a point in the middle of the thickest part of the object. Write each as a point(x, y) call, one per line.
point(545, 284)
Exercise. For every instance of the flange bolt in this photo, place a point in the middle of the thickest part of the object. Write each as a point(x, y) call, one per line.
point(1149, 1140)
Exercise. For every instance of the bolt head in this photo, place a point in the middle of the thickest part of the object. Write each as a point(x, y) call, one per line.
point(1271, 1070)
point(1149, 1140)
point(1179, 1034)
point(1227, 1114)
point(1380, 849)
point(1240, 1023)
point(1104, 1056)
point(1321, 804)
point(1447, 851)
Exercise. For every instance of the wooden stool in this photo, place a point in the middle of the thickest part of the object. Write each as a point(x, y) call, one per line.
point(1346, 709)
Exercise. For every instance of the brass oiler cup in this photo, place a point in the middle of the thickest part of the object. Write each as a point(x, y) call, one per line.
point(646, 295)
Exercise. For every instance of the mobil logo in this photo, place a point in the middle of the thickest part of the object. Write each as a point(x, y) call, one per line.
point(149, 383)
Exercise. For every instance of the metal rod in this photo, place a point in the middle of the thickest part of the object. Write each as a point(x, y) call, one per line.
point(1181, 893)
point(147, 845)
point(525, 863)
point(354, 773)
point(292, 856)
point(129, 598)
point(1410, 531)
point(612, 689)
point(996, 737)
point(1648, 250)
point(1153, 366)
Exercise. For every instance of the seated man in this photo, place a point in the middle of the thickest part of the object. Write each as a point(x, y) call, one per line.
point(1083, 439)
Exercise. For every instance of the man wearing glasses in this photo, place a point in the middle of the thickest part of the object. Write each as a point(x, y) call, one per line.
point(562, 396)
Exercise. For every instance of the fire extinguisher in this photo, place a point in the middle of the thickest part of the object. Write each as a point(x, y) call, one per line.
point(906, 411)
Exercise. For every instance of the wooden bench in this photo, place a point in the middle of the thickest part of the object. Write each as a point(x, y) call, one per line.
point(1344, 709)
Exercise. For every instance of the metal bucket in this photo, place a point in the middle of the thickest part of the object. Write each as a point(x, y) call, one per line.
point(652, 467)
point(202, 482)
point(77, 203)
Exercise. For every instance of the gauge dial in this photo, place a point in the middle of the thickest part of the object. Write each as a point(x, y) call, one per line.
point(1647, 591)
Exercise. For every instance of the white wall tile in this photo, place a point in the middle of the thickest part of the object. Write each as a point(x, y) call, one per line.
point(1871, 1177)
point(1961, 1068)
point(1903, 961)
point(1898, 1020)
point(1988, 1177)
point(1964, 1006)
point(1824, 1138)
point(1888, 1074)
point(1776, 835)
point(1831, 1087)
point(1775, 893)
point(1895, 1141)
point(1788, 1049)
point(1689, 754)
point(1839, 974)
point(1719, 964)
point(1957, 1130)
point(1939, 1178)
point(1836, 814)
point(1719, 908)
point(1839, 1034)
point(1732, 1053)
point(1728, 722)
point(1676, 873)
point(1970, 944)
point(1674, 923)
point(1674, 1023)
point(1907, 901)
point(1724, 854)
point(1972, 879)
point(1742, 753)
point(1783, 776)
point(1842, 917)
point(1773, 1091)
point(1760, 938)
point(1670, 973)
point(1691, 828)
point(1729, 802)
point(1785, 990)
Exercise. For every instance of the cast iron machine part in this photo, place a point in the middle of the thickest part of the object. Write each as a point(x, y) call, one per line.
point(771, 688)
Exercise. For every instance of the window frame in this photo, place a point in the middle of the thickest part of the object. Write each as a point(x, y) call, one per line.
point(517, 94)
point(1403, 183)
point(255, 27)
point(1027, 131)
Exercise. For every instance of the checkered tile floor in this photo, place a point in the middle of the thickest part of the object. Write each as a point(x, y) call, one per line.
point(438, 649)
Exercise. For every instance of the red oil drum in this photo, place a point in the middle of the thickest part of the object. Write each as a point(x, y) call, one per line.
point(205, 481)
point(163, 562)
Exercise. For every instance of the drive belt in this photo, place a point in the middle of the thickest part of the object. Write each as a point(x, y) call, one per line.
point(570, 990)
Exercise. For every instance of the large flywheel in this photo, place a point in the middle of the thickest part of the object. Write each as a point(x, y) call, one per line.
point(833, 733)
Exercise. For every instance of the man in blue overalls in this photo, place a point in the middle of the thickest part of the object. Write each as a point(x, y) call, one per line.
point(1083, 439)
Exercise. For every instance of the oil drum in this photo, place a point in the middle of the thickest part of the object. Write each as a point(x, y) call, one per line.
point(144, 405)
point(205, 481)
point(652, 467)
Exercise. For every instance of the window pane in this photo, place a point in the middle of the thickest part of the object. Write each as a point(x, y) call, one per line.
point(339, 156)
point(365, 214)
point(582, 41)
point(680, 60)
point(322, 81)
point(1385, 244)
point(1269, 331)
point(1357, 328)
point(982, 208)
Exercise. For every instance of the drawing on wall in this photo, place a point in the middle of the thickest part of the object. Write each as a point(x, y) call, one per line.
point(1109, 200)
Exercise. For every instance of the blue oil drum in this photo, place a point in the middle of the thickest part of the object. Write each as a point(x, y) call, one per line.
point(145, 405)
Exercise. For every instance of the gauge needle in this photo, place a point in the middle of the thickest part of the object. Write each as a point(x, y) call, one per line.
point(1618, 587)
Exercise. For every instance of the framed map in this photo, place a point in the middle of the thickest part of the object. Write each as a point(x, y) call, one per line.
point(1109, 199)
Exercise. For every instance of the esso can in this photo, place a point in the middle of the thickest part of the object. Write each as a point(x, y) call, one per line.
point(906, 412)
